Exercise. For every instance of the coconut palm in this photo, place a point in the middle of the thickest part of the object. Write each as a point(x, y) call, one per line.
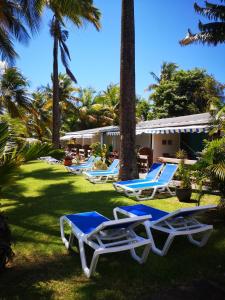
point(90, 111)
point(77, 12)
point(14, 96)
point(128, 166)
point(167, 71)
point(211, 33)
point(39, 122)
point(110, 100)
point(67, 99)
point(16, 19)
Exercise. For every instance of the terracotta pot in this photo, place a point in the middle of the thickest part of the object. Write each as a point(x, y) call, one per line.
point(67, 162)
point(184, 195)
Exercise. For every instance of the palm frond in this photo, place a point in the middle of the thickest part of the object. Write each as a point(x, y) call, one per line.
point(65, 64)
point(211, 11)
point(4, 136)
point(7, 50)
point(219, 170)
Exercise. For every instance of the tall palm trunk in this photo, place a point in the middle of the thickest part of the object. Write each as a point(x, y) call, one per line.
point(128, 158)
point(56, 111)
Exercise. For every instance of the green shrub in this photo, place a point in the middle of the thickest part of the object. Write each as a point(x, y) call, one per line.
point(35, 150)
point(57, 154)
point(183, 173)
point(99, 150)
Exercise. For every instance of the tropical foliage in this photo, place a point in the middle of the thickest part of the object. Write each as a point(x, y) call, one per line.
point(212, 166)
point(183, 92)
point(14, 152)
point(17, 19)
point(142, 109)
point(211, 33)
point(14, 95)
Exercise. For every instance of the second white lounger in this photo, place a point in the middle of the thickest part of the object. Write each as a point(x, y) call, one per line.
point(176, 223)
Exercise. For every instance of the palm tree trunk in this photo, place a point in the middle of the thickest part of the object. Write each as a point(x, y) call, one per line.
point(56, 111)
point(128, 167)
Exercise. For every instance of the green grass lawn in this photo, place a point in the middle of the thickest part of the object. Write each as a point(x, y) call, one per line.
point(43, 269)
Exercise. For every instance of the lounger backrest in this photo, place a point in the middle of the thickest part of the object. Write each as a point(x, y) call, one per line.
point(113, 165)
point(97, 158)
point(90, 159)
point(119, 224)
point(154, 171)
point(186, 212)
point(168, 172)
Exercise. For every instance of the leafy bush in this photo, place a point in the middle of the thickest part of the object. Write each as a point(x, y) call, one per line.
point(35, 150)
point(57, 154)
point(99, 150)
point(212, 166)
point(212, 163)
point(10, 158)
point(183, 172)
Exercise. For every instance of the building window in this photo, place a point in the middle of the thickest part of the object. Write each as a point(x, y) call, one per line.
point(163, 142)
point(170, 142)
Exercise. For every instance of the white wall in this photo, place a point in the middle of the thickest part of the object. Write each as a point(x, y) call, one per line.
point(160, 149)
point(143, 140)
point(94, 139)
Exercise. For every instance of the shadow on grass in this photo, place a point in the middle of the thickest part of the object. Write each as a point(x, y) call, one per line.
point(50, 173)
point(27, 279)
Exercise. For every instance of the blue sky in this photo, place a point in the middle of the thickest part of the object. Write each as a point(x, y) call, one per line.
point(160, 24)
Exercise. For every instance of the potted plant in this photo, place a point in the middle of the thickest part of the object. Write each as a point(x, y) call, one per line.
point(184, 191)
point(68, 160)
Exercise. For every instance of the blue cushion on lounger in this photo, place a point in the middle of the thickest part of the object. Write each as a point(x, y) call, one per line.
point(87, 221)
point(142, 210)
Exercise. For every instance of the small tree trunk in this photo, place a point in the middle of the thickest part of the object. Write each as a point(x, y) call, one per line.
point(56, 111)
point(128, 166)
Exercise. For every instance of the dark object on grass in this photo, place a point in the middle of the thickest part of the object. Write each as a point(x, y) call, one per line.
point(6, 253)
point(184, 195)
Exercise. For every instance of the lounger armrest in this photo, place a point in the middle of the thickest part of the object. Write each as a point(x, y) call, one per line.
point(190, 211)
point(127, 222)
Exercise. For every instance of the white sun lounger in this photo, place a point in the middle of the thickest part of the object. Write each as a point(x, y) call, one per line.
point(104, 236)
point(78, 169)
point(102, 176)
point(161, 184)
point(152, 175)
point(49, 159)
point(176, 223)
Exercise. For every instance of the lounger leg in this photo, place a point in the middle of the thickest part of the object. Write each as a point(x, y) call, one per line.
point(155, 249)
point(202, 242)
point(88, 271)
point(141, 259)
point(65, 241)
point(169, 190)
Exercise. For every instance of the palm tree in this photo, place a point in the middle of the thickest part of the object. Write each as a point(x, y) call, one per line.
point(91, 111)
point(211, 33)
point(39, 122)
point(167, 71)
point(14, 97)
point(128, 167)
point(110, 100)
point(77, 12)
point(16, 18)
point(67, 99)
